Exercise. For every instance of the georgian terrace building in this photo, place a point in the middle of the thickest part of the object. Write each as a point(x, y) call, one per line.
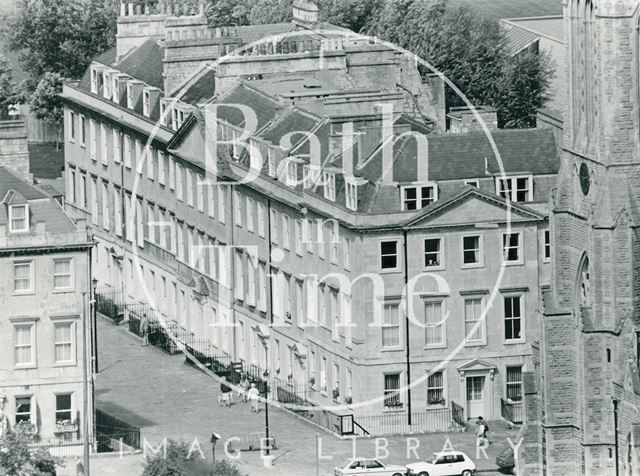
point(343, 189)
point(45, 261)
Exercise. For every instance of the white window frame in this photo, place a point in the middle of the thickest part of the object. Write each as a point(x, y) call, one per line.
point(106, 85)
point(434, 388)
point(146, 102)
point(442, 324)
point(441, 252)
point(397, 255)
point(116, 135)
point(104, 151)
point(482, 329)
point(189, 189)
point(127, 151)
point(70, 274)
point(519, 248)
point(262, 219)
point(250, 214)
point(82, 137)
point(419, 197)
point(480, 262)
point(161, 167)
point(522, 307)
point(94, 80)
point(31, 288)
point(351, 195)
point(93, 140)
point(72, 343)
point(512, 191)
point(286, 232)
point(387, 325)
point(329, 185)
point(12, 210)
point(72, 126)
point(31, 325)
point(237, 208)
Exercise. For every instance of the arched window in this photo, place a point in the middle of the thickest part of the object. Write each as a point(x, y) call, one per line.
point(584, 284)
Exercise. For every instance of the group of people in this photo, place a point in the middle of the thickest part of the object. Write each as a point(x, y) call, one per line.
point(247, 392)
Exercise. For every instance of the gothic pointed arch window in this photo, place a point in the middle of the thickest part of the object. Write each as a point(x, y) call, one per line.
point(584, 284)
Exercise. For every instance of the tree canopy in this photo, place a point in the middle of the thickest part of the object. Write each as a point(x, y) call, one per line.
point(18, 457)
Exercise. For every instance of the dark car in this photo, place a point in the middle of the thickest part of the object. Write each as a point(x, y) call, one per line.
point(505, 460)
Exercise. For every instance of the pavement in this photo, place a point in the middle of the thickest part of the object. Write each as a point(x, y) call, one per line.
point(166, 398)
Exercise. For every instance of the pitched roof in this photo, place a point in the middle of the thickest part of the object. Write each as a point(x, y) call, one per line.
point(251, 33)
point(518, 39)
point(461, 156)
point(144, 63)
point(42, 207)
point(292, 121)
point(263, 106)
point(498, 9)
point(201, 89)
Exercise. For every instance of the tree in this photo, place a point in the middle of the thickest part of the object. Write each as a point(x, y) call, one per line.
point(471, 51)
point(523, 88)
point(18, 457)
point(45, 102)
point(8, 88)
point(62, 36)
point(180, 459)
point(227, 12)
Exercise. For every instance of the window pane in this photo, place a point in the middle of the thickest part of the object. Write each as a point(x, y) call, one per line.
point(432, 252)
point(391, 387)
point(23, 409)
point(471, 249)
point(63, 407)
point(434, 330)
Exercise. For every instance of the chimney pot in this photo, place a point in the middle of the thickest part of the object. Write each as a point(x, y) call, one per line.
point(146, 9)
point(131, 9)
point(138, 10)
point(123, 10)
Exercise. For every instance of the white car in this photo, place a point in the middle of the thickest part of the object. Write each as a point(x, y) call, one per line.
point(366, 467)
point(448, 463)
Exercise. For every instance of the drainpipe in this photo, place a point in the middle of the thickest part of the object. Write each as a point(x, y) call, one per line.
point(232, 264)
point(615, 431)
point(406, 325)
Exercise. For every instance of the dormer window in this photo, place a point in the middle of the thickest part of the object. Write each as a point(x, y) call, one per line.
point(163, 112)
point(415, 197)
point(271, 163)
point(18, 218)
point(351, 198)
point(94, 80)
point(517, 188)
point(329, 181)
point(292, 173)
point(116, 89)
point(175, 125)
point(130, 95)
point(146, 103)
point(106, 82)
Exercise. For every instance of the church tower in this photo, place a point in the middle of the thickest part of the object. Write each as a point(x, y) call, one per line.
point(584, 397)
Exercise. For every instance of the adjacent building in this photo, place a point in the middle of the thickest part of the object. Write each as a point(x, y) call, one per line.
point(45, 258)
point(357, 192)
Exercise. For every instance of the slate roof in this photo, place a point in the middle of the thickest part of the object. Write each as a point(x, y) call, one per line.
point(460, 156)
point(42, 207)
point(202, 89)
point(498, 9)
point(264, 107)
point(290, 122)
point(143, 63)
point(251, 33)
point(518, 39)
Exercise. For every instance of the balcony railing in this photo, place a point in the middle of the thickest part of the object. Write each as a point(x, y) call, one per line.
point(512, 411)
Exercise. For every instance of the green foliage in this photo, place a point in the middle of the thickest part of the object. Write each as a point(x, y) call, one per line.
point(45, 101)
point(271, 11)
point(227, 12)
point(180, 459)
point(18, 458)
point(62, 36)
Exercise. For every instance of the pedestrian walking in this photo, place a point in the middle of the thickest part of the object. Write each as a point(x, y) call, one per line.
point(244, 388)
point(225, 394)
point(144, 330)
point(254, 395)
point(79, 467)
point(482, 431)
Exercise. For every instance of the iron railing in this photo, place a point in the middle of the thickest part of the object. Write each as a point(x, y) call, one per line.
point(110, 302)
point(457, 415)
point(392, 423)
point(511, 411)
point(113, 434)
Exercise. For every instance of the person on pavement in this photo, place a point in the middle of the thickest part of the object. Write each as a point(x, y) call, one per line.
point(254, 395)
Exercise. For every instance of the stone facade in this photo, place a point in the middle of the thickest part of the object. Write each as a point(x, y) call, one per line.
point(589, 369)
point(14, 153)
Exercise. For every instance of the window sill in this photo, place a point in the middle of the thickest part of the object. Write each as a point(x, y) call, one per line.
point(393, 409)
point(435, 268)
point(472, 266)
point(63, 291)
point(25, 367)
point(64, 364)
point(514, 341)
point(512, 263)
point(392, 349)
point(435, 346)
point(30, 292)
point(390, 270)
point(475, 343)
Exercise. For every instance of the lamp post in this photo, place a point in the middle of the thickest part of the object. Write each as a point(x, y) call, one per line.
point(94, 326)
point(266, 410)
point(615, 431)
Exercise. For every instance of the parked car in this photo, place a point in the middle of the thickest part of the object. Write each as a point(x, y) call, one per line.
point(505, 460)
point(448, 463)
point(365, 467)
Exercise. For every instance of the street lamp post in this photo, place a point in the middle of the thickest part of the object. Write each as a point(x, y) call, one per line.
point(94, 334)
point(266, 411)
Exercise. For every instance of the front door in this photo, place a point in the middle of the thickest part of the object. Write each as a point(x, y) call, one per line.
point(475, 396)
